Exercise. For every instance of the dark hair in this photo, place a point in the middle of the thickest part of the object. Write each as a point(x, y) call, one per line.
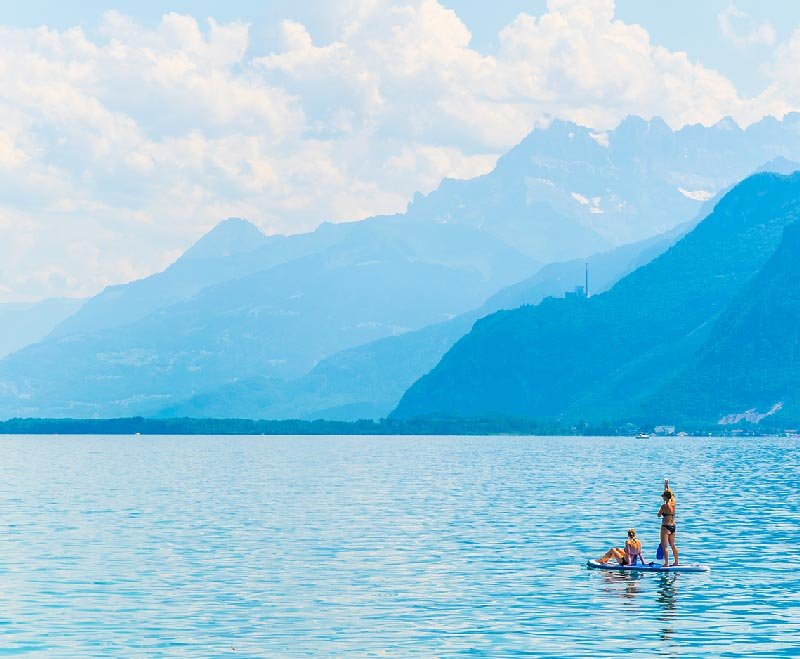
point(667, 495)
point(631, 533)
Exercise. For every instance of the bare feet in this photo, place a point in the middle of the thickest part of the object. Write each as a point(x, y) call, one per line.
point(675, 563)
point(665, 565)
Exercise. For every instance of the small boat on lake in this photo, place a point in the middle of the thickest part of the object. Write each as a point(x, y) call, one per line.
point(642, 435)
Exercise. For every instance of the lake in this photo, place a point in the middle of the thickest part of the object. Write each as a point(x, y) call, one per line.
point(393, 546)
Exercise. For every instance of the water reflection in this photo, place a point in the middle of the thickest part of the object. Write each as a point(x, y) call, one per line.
point(324, 546)
point(666, 596)
point(632, 585)
point(667, 591)
point(629, 584)
point(624, 584)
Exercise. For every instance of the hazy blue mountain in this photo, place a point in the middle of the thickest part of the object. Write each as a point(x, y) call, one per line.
point(23, 323)
point(215, 258)
point(376, 279)
point(602, 358)
point(368, 381)
point(233, 249)
point(240, 305)
point(567, 191)
point(779, 165)
point(750, 365)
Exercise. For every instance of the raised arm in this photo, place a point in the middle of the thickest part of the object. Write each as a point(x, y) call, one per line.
point(672, 494)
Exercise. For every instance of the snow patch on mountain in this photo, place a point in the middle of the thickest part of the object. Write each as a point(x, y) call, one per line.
point(600, 138)
point(592, 204)
point(696, 195)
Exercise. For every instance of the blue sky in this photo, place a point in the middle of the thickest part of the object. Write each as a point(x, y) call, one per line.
point(128, 129)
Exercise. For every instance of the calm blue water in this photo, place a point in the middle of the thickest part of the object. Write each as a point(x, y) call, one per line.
point(392, 546)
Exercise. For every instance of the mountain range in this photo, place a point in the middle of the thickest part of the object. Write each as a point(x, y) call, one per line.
point(568, 191)
point(340, 321)
point(367, 381)
point(658, 346)
point(278, 318)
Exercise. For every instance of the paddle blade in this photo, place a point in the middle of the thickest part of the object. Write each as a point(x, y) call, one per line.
point(660, 553)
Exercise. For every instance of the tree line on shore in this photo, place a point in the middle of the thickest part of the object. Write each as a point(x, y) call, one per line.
point(418, 426)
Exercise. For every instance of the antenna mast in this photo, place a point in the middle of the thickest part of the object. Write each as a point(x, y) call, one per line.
point(586, 288)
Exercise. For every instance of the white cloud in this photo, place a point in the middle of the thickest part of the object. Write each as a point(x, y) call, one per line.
point(135, 141)
point(742, 30)
point(10, 156)
point(783, 94)
point(427, 163)
point(576, 63)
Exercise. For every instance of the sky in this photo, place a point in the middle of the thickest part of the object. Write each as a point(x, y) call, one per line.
point(129, 128)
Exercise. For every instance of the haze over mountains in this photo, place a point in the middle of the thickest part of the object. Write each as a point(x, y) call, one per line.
point(658, 346)
point(368, 381)
point(568, 191)
point(24, 323)
point(340, 321)
point(366, 281)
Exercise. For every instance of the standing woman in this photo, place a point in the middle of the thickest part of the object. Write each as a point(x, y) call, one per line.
point(667, 513)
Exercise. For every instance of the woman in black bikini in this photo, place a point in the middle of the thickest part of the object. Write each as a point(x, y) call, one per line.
point(667, 513)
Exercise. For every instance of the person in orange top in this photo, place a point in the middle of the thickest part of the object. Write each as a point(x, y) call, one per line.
point(667, 513)
point(627, 556)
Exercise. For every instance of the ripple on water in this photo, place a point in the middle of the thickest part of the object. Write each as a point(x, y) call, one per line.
point(398, 546)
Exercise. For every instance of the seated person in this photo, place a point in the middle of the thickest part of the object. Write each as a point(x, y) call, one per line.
point(627, 556)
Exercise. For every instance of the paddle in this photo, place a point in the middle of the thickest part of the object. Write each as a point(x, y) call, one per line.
point(660, 552)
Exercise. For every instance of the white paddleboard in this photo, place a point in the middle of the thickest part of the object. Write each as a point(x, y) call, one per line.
point(647, 567)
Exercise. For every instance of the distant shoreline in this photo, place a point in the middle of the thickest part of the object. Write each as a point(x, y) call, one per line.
point(466, 427)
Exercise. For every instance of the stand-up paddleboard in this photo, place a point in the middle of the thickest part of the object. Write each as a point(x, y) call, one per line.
point(648, 567)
